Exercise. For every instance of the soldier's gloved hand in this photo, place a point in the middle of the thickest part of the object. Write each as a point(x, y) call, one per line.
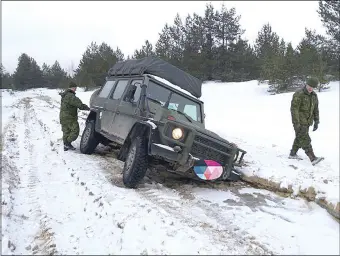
point(316, 125)
point(85, 107)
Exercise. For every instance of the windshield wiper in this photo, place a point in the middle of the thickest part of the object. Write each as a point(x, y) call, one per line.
point(188, 117)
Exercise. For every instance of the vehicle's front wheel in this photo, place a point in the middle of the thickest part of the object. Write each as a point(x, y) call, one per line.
point(136, 162)
point(89, 139)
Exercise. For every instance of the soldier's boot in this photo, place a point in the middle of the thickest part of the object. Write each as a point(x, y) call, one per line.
point(65, 145)
point(68, 145)
point(314, 159)
point(293, 155)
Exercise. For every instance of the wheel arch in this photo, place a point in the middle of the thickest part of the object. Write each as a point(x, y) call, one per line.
point(92, 116)
point(139, 128)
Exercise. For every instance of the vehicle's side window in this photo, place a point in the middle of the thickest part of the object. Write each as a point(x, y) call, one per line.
point(105, 91)
point(119, 90)
point(134, 92)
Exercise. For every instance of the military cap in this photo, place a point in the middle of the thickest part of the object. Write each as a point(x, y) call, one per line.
point(312, 82)
point(72, 85)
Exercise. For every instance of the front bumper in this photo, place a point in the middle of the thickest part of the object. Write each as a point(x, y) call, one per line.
point(166, 152)
point(171, 155)
point(184, 154)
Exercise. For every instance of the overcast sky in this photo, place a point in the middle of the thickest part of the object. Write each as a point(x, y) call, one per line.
point(49, 31)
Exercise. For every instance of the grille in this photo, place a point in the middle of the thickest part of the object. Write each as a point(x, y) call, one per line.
point(211, 143)
point(204, 152)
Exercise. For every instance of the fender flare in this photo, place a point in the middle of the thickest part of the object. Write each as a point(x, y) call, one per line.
point(140, 127)
point(94, 115)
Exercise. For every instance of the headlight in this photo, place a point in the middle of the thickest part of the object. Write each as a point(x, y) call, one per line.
point(177, 133)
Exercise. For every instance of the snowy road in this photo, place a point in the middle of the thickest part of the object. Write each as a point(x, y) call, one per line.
point(56, 202)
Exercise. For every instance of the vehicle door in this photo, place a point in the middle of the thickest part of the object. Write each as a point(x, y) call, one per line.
point(99, 103)
point(127, 110)
point(112, 103)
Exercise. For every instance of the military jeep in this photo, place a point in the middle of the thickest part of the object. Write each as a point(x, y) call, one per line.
point(152, 111)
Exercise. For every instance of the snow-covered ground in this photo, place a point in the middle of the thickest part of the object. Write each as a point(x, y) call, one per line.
point(261, 124)
point(69, 203)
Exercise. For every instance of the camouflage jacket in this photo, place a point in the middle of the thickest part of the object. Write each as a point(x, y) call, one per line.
point(304, 108)
point(69, 106)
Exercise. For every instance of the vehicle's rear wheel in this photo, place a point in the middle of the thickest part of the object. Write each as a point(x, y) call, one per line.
point(136, 162)
point(89, 139)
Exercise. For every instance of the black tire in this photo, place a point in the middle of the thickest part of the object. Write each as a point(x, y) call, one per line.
point(89, 139)
point(136, 162)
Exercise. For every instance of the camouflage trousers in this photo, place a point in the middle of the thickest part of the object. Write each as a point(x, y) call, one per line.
point(302, 139)
point(70, 130)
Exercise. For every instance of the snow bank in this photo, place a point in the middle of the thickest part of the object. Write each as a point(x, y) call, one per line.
point(260, 123)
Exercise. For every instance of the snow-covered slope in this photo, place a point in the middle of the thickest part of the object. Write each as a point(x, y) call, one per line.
point(69, 203)
point(261, 124)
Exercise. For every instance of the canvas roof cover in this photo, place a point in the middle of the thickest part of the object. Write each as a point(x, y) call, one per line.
point(158, 67)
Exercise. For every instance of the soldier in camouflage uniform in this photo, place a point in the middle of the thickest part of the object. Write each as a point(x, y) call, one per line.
point(69, 115)
point(304, 110)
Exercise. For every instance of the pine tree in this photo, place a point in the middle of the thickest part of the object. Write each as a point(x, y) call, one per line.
point(6, 78)
point(267, 49)
point(311, 60)
point(163, 45)
point(119, 54)
point(208, 46)
point(95, 63)
point(192, 50)
point(58, 76)
point(146, 51)
point(106, 58)
point(177, 37)
point(27, 74)
point(86, 73)
point(228, 33)
point(291, 65)
point(242, 60)
point(329, 12)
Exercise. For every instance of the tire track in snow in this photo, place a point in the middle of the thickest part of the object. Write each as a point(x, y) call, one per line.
point(179, 203)
point(168, 204)
point(202, 217)
point(57, 171)
point(10, 181)
point(177, 199)
point(92, 205)
point(24, 195)
point(44, 238)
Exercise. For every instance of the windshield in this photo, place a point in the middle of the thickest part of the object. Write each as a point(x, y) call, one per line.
point(186, 106)
point(190, 108)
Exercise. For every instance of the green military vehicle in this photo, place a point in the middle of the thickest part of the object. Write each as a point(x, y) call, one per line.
point(152, 111)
